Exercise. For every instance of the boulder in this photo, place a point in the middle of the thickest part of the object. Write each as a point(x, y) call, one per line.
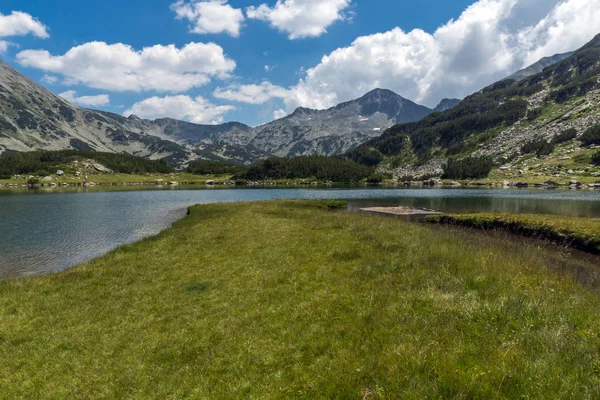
point(60, 173)
point(210, 182)
point(102, 168)
point(173, 183)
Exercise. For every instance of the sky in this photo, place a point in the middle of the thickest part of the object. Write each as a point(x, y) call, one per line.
point(214, 61)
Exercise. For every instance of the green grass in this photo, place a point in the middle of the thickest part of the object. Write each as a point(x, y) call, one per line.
point(582, 233)
point(289, 300)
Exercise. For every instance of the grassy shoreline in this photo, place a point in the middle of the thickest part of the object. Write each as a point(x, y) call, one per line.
point(286, 299)
point(580, 233)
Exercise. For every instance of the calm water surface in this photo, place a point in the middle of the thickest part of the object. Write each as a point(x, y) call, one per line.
point(48, 231)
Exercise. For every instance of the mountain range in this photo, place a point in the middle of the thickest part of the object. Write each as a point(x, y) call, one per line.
point(33, 118)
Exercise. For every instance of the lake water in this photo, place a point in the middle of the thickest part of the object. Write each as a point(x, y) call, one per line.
point(49, 231)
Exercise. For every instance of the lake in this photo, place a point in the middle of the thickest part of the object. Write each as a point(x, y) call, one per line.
point(45, 231)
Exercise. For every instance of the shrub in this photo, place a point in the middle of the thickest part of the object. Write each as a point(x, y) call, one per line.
point(468, 168)
point(539, 147)
point(596, 158)
point(591, 136)
point(33, 181)
point(534, 113)
point(366, 156)
point(565, 136)
point(375, 179)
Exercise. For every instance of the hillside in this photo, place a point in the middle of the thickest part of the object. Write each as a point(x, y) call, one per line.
point(33, 118)
point(539, 66)
point(508, 122)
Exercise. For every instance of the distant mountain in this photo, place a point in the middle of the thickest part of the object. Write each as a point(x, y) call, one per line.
point(333, 131)
point(32, 118)
point(499, 120)
point(539, 66)
point(446, 104)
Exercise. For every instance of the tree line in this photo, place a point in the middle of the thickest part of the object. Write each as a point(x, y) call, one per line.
point(335, 169)
point(42, 163)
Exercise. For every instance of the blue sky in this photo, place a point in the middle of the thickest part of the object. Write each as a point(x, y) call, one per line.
point(269, 59)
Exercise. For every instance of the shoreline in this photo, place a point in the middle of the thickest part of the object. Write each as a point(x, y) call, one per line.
point(573, 185)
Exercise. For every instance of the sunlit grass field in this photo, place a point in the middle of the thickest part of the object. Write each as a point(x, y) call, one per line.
point(291, 300)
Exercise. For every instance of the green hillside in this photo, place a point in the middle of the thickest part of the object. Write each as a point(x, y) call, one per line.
point(516, 124)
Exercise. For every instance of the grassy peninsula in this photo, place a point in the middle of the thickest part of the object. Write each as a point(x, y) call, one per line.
point(292, 300)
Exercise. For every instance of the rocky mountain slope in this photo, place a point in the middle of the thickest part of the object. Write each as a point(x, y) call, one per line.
point(499, 121)
point(539, 66)
point(333, 131)
point(446, 104)
point(33, 118)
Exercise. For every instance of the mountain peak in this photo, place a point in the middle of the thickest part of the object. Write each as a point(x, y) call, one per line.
point(381, 92)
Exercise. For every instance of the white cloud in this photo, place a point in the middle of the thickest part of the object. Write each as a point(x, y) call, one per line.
point(92, 101)
point(197, 110)
point(3, 46)
point(486, 43)
point(564, 29)
point(119, 67)
point(21, 24)
point(50, 79)
point(252, 94)
point(278, 114)
point(210, 16)
point(301, 18)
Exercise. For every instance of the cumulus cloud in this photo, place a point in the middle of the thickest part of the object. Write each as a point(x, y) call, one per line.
point(197, 110)
point(93, 101)
point(3, 46)
point(300, 18)
point(280, 113)
point(21, 24)
point(251, 94)
point(489, 41)
point(49, 79)
point(211, 16)
point(565, 28)
point(119, 67)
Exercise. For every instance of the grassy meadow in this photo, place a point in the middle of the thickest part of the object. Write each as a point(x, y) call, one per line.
point(279, 300)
